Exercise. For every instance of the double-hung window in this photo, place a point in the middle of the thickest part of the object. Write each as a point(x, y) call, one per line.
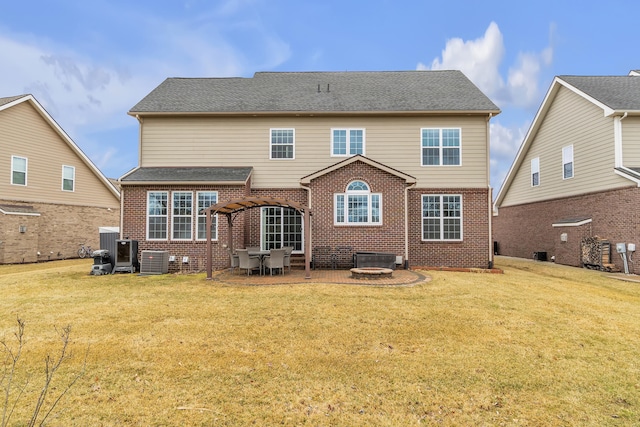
point(535, 172)
point(18, 170)
point(206, 199)
point(441, 147)
point(68, 178)
point(157, 215)
point(441, 217)
point(358, 206)
point(347, 142)
point(567, 162)
point(282, 144)
point(182, 214)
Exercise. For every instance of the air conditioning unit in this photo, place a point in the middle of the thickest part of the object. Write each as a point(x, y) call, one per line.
point(154, 262)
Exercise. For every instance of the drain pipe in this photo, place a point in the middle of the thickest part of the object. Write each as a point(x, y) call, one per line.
point(406, 224)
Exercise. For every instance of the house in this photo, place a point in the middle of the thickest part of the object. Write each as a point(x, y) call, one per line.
point(576, 174)
point(52, 197)
point(385, 162)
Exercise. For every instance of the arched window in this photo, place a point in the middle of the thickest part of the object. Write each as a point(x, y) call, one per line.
point(357, 205)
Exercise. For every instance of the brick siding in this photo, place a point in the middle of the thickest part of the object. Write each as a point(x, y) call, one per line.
point(57, 233)
point(521, 230)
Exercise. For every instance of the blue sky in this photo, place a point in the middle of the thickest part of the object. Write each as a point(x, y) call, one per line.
point(89, 62)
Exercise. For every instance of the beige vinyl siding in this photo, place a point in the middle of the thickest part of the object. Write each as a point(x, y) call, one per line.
point(25, 133)
point(631, 142)
point(570, 120)
point(395, 142)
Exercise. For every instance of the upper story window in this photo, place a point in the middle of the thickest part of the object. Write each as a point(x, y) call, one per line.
point(68, 178)
point(182, 215)
point(358, 206)
point(347, 142)
point(441, 147)
point(535, 172)
point(441, 217)
point(157, 215)
point(567, 162)
point(18, 170)
point(206, 199)
point(282, 144)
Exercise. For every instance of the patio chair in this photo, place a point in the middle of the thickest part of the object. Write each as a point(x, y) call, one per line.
point(275, 260)
point(287, 256)
point(234, 261)
point(322, 257)
point(247, 262)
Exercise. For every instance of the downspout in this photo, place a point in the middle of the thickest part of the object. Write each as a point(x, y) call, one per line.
point(307, 234)
point(489, 193)
point(121, 209)
point(406, 223)
point(617, 137)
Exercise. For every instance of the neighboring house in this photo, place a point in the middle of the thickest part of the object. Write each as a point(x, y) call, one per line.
point(577, 172)
point(52, 197)
point(392, 162)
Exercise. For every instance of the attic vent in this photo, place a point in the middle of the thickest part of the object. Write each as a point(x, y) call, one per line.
point(154, 262)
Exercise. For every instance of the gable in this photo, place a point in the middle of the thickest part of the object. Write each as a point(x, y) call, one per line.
point(358, 158)
point(567, 116)
point(26, 130)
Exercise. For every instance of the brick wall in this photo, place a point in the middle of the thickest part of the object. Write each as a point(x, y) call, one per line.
point(523, 229)
point(472, 252)
point(135, 223)
point(57, 233)
point(388, 237)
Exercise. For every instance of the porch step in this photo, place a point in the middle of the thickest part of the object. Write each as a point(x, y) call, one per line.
point(297, 262)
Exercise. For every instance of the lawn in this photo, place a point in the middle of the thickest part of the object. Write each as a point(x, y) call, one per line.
point(540, 345)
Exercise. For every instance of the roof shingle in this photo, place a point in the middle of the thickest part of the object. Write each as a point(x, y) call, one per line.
point(386, 91)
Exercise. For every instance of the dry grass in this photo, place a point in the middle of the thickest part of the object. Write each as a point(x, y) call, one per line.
point(540, 345)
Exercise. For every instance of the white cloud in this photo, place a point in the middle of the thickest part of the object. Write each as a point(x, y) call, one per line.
point(480, 61)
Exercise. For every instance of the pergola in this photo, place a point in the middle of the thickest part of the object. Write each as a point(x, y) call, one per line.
point(230, 207)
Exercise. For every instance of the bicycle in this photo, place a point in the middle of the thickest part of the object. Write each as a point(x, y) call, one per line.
point(84, 251)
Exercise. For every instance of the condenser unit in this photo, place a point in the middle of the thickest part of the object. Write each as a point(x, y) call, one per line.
point(154, 262)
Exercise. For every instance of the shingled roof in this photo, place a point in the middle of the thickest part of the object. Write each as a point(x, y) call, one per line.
point(227, 175)
point(616, 92)
point(319, 92)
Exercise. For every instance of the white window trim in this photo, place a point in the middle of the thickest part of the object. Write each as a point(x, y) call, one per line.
point(346, 195)
point(173, 216)
point(166, 215)
point(348, 153)
point(73, 179)
point(422, 218)
point(262, 225)
point(198, 215)
point(567, 157)
point(293, 157)
point(26, 170)
point(441, 148)
point(535, 168)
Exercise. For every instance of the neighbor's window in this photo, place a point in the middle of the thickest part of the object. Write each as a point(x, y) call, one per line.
point(358, 206)
point(567, 162)
point(68, 178)
point(441, 217)
point(18, 170)
point(182, 214)
point(282, 143)
point(347, 142)
point(441, 147)
point(157, 215)
point(206, 199)
point(535, 172)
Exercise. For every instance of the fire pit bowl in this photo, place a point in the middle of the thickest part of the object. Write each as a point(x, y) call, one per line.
point(371, 273)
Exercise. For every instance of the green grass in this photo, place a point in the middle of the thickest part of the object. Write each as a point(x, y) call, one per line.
point(541, 344)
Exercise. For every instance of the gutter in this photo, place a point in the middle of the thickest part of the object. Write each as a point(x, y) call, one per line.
point(406, 222)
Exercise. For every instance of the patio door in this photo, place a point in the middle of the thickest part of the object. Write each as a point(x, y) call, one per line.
point(281, 227)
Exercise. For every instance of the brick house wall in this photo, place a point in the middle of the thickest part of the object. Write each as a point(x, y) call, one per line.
point(471, 252)
point(134, 226)
point(521, 230)
point(57, 233)
point(387, 238)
